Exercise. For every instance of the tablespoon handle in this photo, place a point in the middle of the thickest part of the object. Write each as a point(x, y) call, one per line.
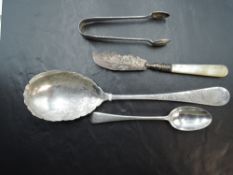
point(213, 96)
point(98, 117)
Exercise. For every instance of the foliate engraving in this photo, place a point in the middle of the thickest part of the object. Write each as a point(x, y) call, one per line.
point(119, 62)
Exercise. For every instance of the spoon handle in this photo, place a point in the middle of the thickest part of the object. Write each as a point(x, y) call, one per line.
point(98, 117)
point(213, 96)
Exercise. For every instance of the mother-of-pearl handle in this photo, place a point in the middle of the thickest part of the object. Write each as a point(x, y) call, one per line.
point(209, 70)
point(198, 69)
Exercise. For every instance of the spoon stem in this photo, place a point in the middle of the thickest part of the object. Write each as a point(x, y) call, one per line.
point(214, 96)
point(98, 117)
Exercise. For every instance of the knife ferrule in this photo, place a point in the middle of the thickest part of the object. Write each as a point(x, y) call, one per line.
point(160, 67)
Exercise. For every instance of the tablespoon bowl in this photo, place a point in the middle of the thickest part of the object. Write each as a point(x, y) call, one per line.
point(188, 118)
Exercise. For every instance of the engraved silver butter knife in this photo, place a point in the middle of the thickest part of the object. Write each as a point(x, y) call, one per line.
point(119, 62)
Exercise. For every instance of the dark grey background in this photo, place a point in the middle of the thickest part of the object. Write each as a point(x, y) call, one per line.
point(39, 35)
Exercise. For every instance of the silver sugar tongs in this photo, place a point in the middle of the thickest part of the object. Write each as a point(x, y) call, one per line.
point(158, 15)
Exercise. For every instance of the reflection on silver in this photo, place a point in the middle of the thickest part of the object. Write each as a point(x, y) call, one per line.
point(185, 118)
point(189, 118)
point(61, 95)
point(57, 95)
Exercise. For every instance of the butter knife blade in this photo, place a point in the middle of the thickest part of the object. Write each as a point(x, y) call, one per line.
point(118, 62)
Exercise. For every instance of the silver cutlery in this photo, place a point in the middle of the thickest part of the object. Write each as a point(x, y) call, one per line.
point(185, 118)
point(158, 15)
point(119, 62)
point(62, 95)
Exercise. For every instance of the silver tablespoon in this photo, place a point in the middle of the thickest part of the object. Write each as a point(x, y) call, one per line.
point(185, 118)
point(61, 95)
